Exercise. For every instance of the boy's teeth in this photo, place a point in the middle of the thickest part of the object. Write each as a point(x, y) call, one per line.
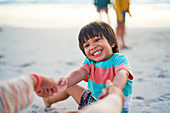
point(98, 52)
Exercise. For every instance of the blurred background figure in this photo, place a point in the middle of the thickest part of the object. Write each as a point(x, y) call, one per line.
point(102, 6)
point(121, 7)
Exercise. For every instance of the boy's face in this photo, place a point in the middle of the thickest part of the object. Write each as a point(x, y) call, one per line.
point(98, 49)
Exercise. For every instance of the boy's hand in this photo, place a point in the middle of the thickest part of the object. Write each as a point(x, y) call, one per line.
point(111, 88)
point(62, 84)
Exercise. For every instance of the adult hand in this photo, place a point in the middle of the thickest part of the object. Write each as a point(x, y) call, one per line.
point(47, 88)
point(111, 88)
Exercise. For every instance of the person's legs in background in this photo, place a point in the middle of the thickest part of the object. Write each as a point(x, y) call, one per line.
point(120, 32)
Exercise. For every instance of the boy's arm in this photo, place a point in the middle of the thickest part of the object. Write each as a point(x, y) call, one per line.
point(72, 79)
point(76, 76)
point(121, 78)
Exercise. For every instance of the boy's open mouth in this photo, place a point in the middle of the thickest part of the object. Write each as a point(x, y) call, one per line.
point(97, 52)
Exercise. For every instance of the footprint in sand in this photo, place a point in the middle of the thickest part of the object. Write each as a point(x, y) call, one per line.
point(139, 98)
point(162, 98)
point(51, 110)
point(34, 106)
point(165, 97)
point(1, 56)
point(70, 63)
point(139, 72)
point(163, 74)
point(140, 80)
point(153, 100)
point(27, 64)
point(38, 109)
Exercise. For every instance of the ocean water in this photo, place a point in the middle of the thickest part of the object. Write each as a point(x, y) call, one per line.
point(77, 1)
point(77, 13)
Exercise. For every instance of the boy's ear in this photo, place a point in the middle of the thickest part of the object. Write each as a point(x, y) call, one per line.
point(113, 45)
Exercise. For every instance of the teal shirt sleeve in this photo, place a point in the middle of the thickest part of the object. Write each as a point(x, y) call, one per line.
point(121, 62)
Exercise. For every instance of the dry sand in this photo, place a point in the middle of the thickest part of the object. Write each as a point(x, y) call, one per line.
point(55, 52)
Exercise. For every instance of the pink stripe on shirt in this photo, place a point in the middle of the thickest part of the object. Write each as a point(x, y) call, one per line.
point(15, 96)
point(125, 67)
point(21, 85)
point(4, 100)
point(86, 67)
point(29, 91)
point(100, 75)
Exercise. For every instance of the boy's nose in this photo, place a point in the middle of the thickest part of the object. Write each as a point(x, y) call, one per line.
point(93, 46)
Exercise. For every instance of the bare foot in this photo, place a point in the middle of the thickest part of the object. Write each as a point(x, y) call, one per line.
point(47, 102)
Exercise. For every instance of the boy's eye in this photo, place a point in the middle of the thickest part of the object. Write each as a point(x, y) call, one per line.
point(86, 45)
point(97, 39)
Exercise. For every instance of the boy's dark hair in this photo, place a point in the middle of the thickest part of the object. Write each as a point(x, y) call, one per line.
point(98, 28)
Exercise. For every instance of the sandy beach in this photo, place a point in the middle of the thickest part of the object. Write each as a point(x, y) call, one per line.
point(55, 52)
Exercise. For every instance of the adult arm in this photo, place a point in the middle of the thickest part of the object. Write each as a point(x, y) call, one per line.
point(112, 103)
point(17, 93)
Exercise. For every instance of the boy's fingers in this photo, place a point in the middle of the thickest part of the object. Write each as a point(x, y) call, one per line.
point(103, 93)
point(60, 81)
point(57, 82)
point(108, 83)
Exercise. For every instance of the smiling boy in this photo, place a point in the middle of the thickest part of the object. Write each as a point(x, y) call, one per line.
point(103, 62)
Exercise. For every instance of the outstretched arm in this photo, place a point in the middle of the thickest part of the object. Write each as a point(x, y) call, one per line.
point(43, 86)
point(17, 93)
point(76, 76)
point(121, 78)
point(72, 79)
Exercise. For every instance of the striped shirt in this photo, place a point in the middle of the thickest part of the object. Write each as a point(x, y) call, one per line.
point(15, 94)
point(100, 72)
